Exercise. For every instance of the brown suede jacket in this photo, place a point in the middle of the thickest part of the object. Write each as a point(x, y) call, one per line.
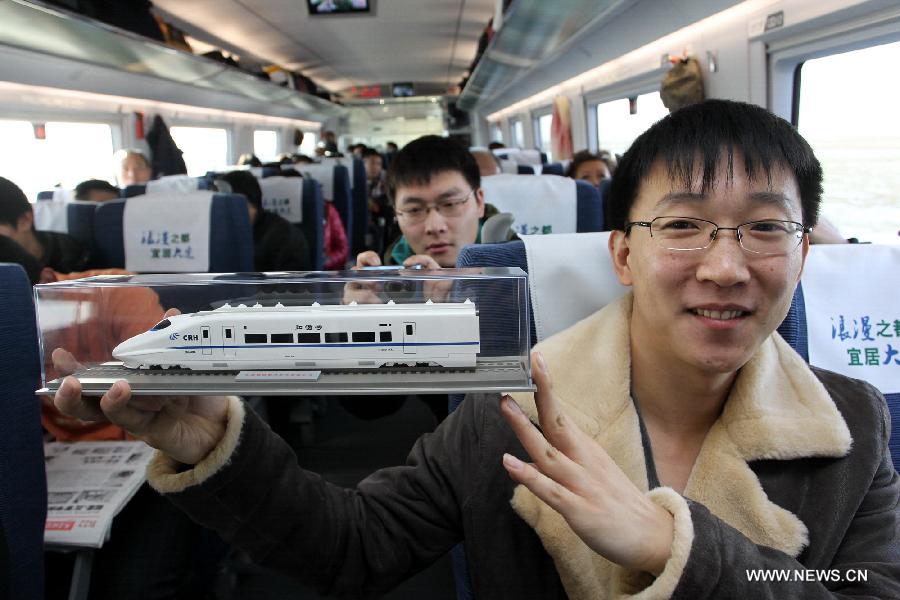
point(364, 541)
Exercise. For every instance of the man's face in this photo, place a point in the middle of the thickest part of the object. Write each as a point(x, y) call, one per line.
point(373, 167)
point(711, 309)
point(134, 171)
point(440, 236)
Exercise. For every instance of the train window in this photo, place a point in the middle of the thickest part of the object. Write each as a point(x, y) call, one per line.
point(228, 334)
point(282, 338)
point(206, 334)
point(336, 338)
point(76, 151)
point(384, 336)
point(617, 127)
point(161, 325)
point(542, 134)
point(847, 113)
point(265, 145)
point(255, 338)
point(308, 147)
point(363, 336)
point(496, 133)
point(205, 148)
point(517, 132)
point(308, 338)
point(409, 330)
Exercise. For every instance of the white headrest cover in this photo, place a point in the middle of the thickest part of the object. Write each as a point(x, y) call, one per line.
point(540, 204)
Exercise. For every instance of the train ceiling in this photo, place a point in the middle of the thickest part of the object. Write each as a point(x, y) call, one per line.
point(401, 40)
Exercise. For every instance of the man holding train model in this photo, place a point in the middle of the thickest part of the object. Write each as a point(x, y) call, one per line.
point(682, 444)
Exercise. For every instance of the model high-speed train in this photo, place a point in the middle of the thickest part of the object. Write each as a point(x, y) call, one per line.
point(367, 336)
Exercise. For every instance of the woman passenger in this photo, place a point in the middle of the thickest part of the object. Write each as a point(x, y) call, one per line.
point(590, 167)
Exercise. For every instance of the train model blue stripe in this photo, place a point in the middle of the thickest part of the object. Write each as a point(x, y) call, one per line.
point(356, 345)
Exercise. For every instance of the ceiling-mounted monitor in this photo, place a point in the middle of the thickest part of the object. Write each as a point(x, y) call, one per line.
point(338, 7)
point(402, 90)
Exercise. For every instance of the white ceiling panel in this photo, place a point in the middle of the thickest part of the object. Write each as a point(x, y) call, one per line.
point(404, 40)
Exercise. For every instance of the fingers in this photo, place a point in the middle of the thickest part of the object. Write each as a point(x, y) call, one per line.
point(119, 407)
point(64, 361)
point(172, 312)
point(424, 261)
point(548, 459)
point(368, 258)
point(561, 432)
point(69, 401)
point(557, 496)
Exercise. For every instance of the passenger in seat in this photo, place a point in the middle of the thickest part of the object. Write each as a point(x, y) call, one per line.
point(436, 188)
point(133, 168)
point(589, 167)
point(277, 245)
point(684, 451)
point(96, 190)
point(59, 251)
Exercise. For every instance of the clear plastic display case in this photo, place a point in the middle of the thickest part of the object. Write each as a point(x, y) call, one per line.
point(373, 331)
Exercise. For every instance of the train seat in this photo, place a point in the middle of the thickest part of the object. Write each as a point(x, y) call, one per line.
point(553, 168)
point(177, 184)
point(547, 203)
point(335, 182)
point(230, 241)
point(23, 484)
point(305, 209)
point(50, 210)
point(524, 169)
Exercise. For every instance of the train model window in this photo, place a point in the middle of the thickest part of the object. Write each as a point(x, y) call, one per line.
point(265, 145)
point(255, 338)
point(282, 338)
point(336, 338)
point(409, 330)
point(76, 151)
point(384, 336)
point(308, 338)
point(846, 110)
point(161, 325)
point(618, 126)
point(205, 148)
point(363, 336)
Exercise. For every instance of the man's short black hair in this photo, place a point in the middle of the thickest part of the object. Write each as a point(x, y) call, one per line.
point(706, 131)
point(83, 190)
point(243, 182)
point(425, 157)
point(371, 152)
point(13, 203)
point(12, 252)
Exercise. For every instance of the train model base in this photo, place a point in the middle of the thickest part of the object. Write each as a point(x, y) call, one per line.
point(494, 374)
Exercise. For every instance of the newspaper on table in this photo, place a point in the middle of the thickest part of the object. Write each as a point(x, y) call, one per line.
point(88, 483)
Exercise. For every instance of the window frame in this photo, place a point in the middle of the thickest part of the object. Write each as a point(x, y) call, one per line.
point(229, 133)
point(645, 83)
point(278, 138)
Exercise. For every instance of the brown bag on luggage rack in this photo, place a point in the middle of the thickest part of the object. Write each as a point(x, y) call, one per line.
point(683, 84)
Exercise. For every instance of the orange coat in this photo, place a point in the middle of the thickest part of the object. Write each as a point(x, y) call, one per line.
point(108, 317)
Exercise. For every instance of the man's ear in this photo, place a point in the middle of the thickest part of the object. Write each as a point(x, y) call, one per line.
point(619, 252)
point(25, 222)
point(479, 201)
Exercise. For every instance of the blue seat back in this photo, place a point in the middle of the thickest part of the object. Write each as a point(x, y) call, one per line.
point(23, 484)
point(45, 195)
point(591, 215)
point(81, 217)
point(553, 168)
point(230, 236)
point(130, 191)
point(525, 169)
point(313, 225)
point(360, 207)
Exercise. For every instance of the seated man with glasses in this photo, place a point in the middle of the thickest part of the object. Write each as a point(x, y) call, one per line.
point(684, 450)
point(436, 188)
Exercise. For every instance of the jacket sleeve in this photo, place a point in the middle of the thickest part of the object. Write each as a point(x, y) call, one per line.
point(353, 542)
point(724, 563)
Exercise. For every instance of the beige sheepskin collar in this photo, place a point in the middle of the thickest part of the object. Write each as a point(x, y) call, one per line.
point(777, 409)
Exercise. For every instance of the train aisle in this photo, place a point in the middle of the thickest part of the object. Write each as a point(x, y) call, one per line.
point(346, 450)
